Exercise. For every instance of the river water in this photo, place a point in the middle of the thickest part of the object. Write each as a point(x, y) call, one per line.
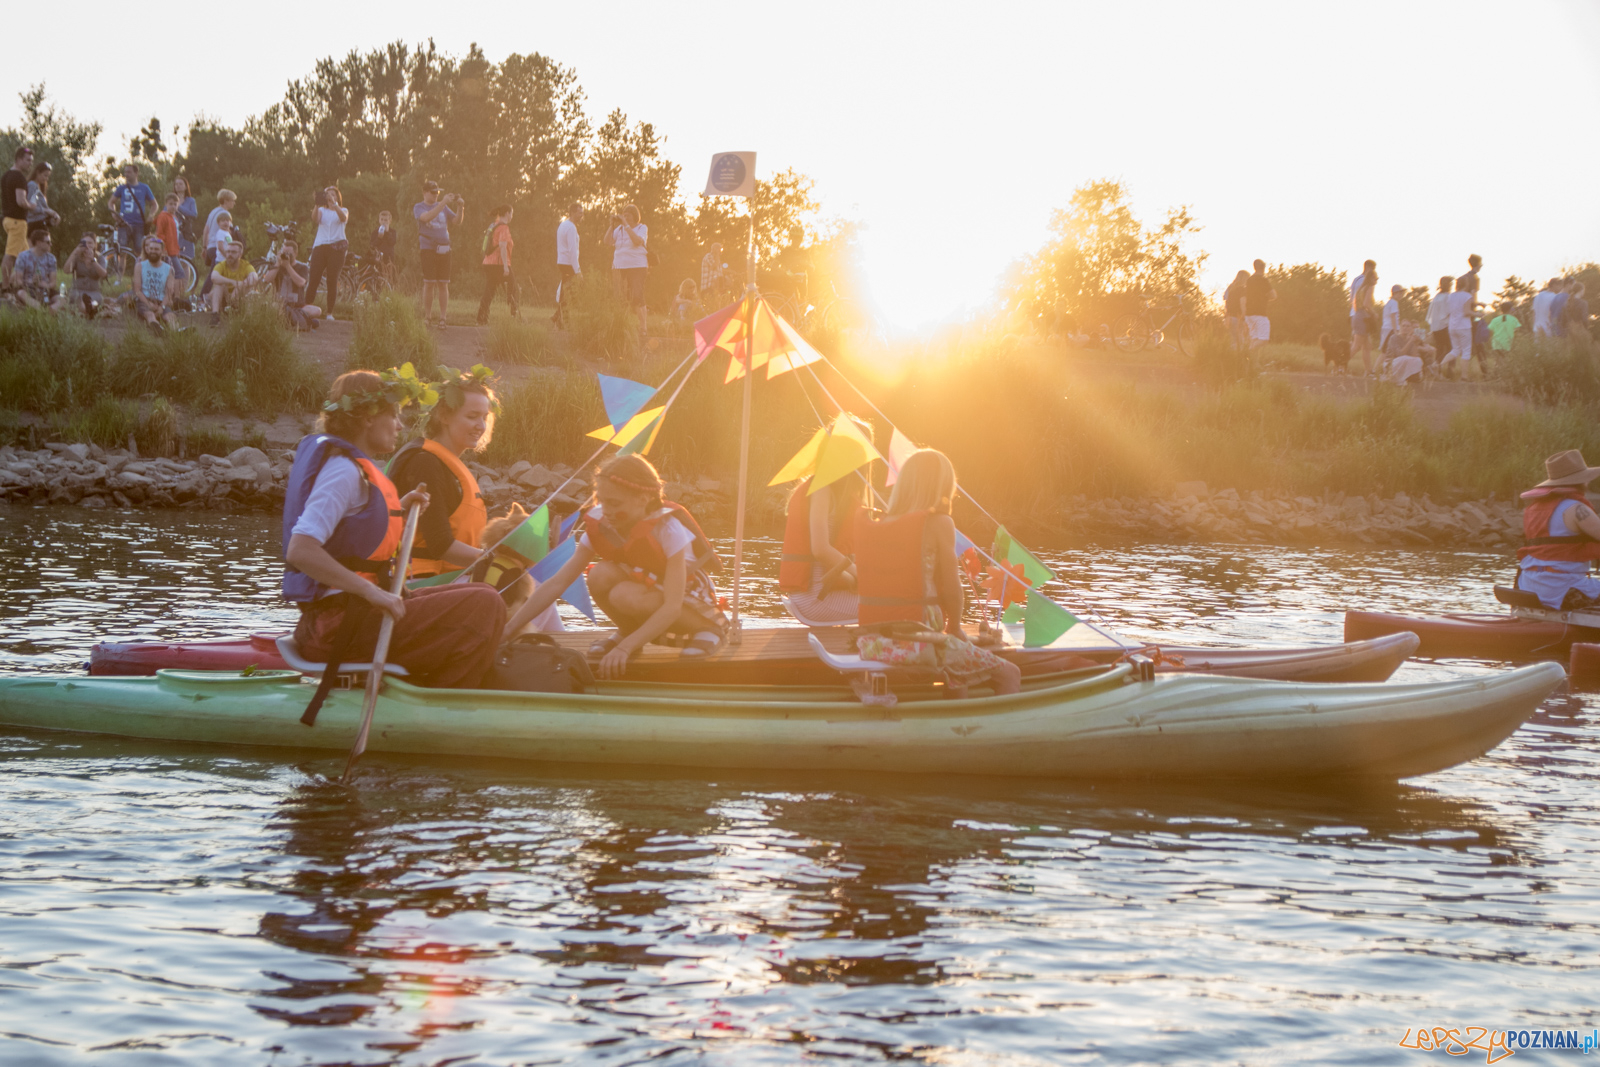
point(184, 904)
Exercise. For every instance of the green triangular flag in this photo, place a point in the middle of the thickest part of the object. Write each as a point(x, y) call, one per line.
point(1012, 552)
point(1046, 621)
point(1013, 613)
point(644, 438)
point(433, 579)
point(529, 542)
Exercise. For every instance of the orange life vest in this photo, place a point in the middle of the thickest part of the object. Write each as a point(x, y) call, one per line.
point(470, 516)
point(794, 566)
point(641, 550)
point(1537, 540)
point(364, 542)
point(891, 580)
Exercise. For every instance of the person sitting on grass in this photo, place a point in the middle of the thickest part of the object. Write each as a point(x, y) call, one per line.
point(231, 279)
point(907, 577)
point(88, 271)
point(1404, 365)
point(155, 287)
point(686, 307)
point(651, 571)
point(285, 281)
point(34, 274)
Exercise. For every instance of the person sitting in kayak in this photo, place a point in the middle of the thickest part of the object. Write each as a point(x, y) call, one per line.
point(816, 569)
point(1561, 536)
point(906, 573)
point(650, 573)
point(450, 534)
point(342, 523)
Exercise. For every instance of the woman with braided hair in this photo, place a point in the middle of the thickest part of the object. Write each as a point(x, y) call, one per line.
point(651, 574)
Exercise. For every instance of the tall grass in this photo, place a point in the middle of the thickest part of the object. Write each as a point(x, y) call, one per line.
point(602, 325)
point(389, 331)
point(509, 341)
point(50, 364)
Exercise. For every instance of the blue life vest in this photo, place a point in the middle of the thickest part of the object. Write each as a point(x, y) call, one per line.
point(364, 542)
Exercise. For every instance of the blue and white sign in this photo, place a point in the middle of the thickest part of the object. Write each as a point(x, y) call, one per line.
point(732, 174)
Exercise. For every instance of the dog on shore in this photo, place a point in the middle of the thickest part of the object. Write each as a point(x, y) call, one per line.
point(1334, 354)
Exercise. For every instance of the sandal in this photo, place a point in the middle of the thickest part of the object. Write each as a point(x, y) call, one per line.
point(701, 645)
point(599, 649)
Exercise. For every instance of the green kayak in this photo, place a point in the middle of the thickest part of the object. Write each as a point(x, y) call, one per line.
point(1103, 723)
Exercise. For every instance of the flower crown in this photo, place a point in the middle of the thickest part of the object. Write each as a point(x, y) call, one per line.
point(452, 386)
point(401, 387)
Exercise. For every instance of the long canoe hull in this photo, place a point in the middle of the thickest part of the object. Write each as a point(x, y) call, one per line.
point(1103, 726)
point(1466, 636)
point(789, 660)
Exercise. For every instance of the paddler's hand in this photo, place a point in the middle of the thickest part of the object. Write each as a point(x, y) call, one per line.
point(614, 664)
point(419, 495)
point(384, 600)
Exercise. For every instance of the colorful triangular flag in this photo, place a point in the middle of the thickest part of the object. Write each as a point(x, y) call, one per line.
point(623, 398)
point(633, 428)
point(900, 449)
point(576, 594)
point(804, 461)
point(846, 449)
point(1012, 552)
point(1046, 621)
point(642, 441)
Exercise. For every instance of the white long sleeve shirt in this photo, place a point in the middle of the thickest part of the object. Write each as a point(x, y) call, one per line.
point(567, 245)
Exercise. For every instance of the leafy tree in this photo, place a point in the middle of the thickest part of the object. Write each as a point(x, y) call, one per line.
point(1312, 300)
point(68, 146)
point(1520, 296)
point(1100, 253)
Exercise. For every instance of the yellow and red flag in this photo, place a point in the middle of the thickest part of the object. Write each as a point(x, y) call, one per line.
point(753, 336)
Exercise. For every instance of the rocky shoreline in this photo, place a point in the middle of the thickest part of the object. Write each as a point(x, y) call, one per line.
point(249, 479)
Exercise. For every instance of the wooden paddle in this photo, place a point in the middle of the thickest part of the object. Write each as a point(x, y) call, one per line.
point(380, 651)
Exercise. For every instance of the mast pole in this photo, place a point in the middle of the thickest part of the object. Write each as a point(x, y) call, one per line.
point(751, 294)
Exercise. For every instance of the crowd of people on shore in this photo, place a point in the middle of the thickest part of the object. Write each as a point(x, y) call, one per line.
point(1457, 330)
point(175, 251)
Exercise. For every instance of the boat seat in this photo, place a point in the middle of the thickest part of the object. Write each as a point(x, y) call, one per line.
point(1518, 598)
point(291, 655)
point(869, 678)
point(788, 605)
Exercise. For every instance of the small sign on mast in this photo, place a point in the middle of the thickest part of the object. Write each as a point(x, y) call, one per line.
point(732, 174)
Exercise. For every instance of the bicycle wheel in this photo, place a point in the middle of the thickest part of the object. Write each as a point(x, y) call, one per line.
point(349, 279)
point(1186, 336)
point(373, 283)
point(783, 305)
point(119, 268)
point(1130, 333)
point(188, 277)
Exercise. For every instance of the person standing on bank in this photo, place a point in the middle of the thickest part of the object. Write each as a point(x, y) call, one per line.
point(329, 247)
point(1258, 293)
point(630, 260)
point(497, 245)
point(567, 264)
point(342, 524)
point(1363, 313)
point(434, 216)
point(450, 533)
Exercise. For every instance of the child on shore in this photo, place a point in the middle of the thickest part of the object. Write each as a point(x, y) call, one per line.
point(686, 307)
point(906, 573)
point(652, 570)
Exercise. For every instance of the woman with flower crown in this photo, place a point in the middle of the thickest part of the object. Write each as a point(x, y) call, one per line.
point(342, 524)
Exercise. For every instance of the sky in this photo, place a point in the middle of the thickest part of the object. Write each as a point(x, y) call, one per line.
point(1409, 133)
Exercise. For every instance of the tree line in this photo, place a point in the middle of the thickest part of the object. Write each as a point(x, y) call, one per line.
point(380, 123)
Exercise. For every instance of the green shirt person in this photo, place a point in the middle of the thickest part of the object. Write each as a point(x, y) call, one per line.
point(1502, 328)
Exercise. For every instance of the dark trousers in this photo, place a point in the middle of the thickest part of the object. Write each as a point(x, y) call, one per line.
point(563, 294)
point(494, 276)
point(1441, 344)
point(329, 259)
point(447, 639)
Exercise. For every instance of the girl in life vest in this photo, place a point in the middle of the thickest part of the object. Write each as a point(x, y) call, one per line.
point(450, 534)
point(818, 570)
point(342, 524)
point(906, 572)
point(650, 569)
point(1561, 536)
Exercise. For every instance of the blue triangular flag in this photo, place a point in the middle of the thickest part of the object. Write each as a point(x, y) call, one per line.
point(962, 543)
point(576, 594)
point(623, 398)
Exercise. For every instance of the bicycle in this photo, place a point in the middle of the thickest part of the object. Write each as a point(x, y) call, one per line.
point(277, 235)
point(366, 276)
point(120, 261)
point(1132, 333)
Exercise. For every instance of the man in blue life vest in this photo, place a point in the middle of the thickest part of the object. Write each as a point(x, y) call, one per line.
point(1561, 536)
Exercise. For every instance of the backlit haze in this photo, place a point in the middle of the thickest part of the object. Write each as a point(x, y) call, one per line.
point(1410, 133)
